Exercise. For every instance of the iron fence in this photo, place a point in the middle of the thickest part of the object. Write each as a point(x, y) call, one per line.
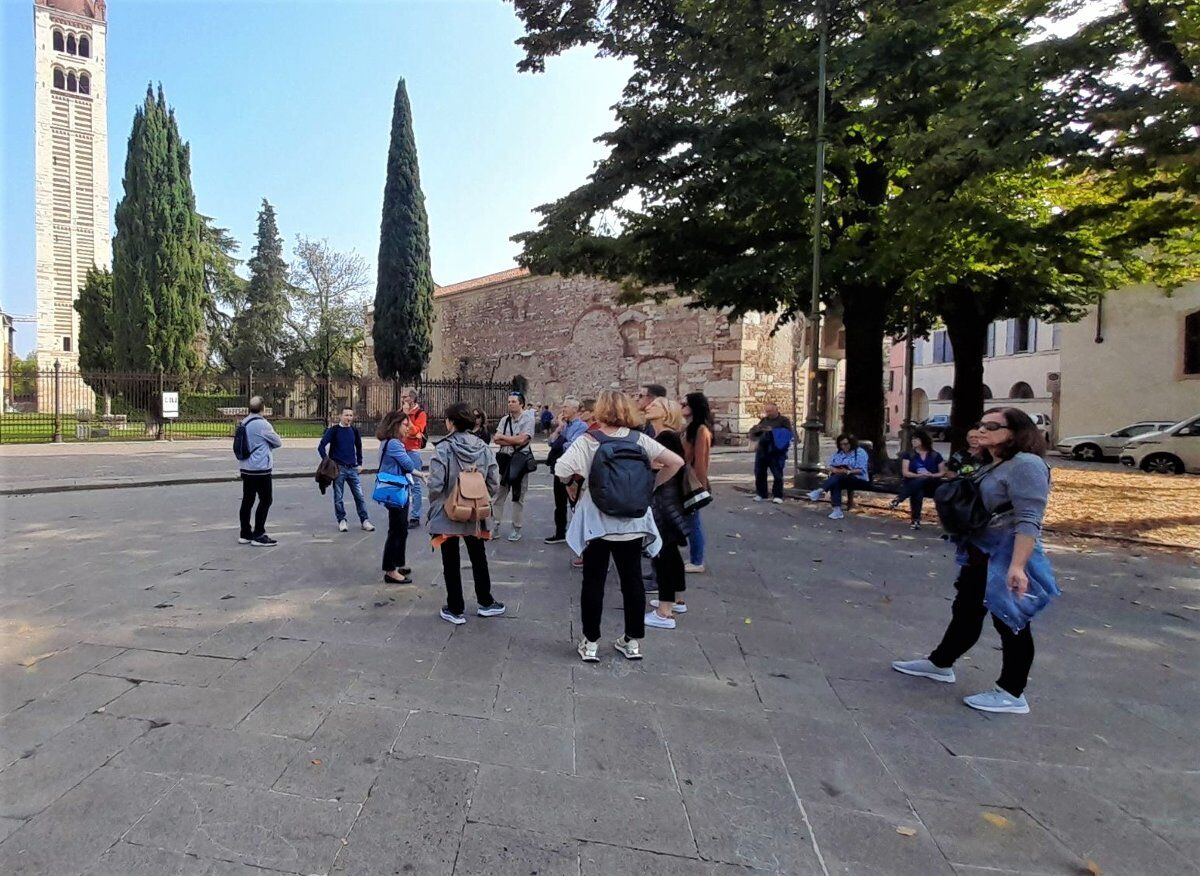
point(65, 405)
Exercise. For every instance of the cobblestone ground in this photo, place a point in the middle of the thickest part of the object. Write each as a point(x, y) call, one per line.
point(174, 703)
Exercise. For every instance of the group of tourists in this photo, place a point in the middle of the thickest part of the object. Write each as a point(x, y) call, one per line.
point(630, 475)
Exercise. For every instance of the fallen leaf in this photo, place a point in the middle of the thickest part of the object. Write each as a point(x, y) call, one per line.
point(1092, 868)
point(747, 620)
point(1077, 630)
point(1192, 607)
point(996, 820)
point(906, 831)
point(29, 661)
point(316, 762)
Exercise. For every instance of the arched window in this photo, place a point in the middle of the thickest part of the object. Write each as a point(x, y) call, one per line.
point(57, 39)
point(1191, 343)
point(85, 47)
point(1022, 390)
point(987, 392)
point(60, 79)
point(946, 393)
point(70, 44)
point(85, 84)
point(72, 85)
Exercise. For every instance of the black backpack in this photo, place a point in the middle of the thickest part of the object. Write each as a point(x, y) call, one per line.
point(621, 481)
point(241, 441)
point(960, 505)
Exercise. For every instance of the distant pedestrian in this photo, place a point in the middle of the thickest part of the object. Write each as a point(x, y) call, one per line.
point(546, 419)
point(458, 453)
point(571, 426)
point(258, 442)
point(343, 443)
point(514, 433)
point(600, 537)
point(772, 436)
point(965, 462)
point(417, 439)
point(394, 460)
point(652, 402)
point(481, 430)
point(1000, 564)
point(849, 468)
point(697, 451)
point(922, 470)
point(675, 526)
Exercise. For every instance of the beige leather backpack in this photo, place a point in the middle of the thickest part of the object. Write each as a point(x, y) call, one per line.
point(468, 502)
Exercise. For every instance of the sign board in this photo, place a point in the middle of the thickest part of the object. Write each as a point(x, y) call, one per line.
point(170, 405)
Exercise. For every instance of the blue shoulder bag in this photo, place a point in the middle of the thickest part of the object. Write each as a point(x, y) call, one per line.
point(391, 490)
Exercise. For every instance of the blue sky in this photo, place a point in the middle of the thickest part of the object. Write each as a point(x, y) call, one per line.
point(292, 101)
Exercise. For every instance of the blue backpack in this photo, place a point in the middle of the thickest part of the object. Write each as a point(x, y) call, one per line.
point(781, 439)
point(241, 441)
point(621, 481)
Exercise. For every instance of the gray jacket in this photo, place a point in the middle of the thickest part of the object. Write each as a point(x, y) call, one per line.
point(452, 454)
point(1023, 481)
point(263, 441)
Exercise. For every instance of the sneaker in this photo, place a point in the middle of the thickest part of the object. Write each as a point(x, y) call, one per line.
point(654, 619)
point(837, 514)
point(264, 540)
point(760, 498)
point(895, 503)
point(589, 651)
point(450, 617)
point(777, 501)
point(368, 526)
point(916, 524)
point(343, 526)
point(679, 608)
point(631, 648)
point(815, 495)
point(515, 535)
point(494, 610)
point(693, 569)
point(243, 540)
point(925, 669)
point(414, 523)
point(997, 700)
point(556, 539)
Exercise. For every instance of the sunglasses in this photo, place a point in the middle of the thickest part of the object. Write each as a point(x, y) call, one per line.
point(989, 426)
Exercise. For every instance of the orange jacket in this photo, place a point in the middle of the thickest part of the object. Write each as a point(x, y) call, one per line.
point(419, 421)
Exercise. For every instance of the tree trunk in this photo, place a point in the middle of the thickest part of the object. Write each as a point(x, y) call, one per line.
point(966, 325)
point(863, 312)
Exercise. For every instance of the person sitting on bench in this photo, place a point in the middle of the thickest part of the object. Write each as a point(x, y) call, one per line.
point(850, 468)
point(923, 469)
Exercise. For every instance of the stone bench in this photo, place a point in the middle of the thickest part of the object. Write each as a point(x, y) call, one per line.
point(235, 413)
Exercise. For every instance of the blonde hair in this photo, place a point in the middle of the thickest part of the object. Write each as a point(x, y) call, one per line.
point(616, 409)
point(674, 419)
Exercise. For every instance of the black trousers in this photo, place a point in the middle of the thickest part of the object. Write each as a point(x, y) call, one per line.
point(452, 573)
point(255, 486)
point(627, 556)
point(397, 539)
point(915, 490)
point(560, 508)
point(668, 571)
point(773, 462)
point(966, 624)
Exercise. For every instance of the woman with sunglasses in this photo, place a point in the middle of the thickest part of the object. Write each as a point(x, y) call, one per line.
point(1015, 489)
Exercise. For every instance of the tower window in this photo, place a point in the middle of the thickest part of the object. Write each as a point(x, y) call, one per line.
point(85, 47)
point(85, 84)
point(66, 343)
point(71, 44)
point(58, 40)
point(60, 81)
point(72, 84)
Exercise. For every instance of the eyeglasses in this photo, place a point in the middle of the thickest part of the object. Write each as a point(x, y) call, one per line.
point(989, 426)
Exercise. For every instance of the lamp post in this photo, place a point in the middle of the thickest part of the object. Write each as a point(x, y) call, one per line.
point(812, 422)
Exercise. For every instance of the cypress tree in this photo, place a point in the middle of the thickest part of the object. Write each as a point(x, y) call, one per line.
point(404, 291)
point(94, 306)
point(158, 262)
point(258, 330)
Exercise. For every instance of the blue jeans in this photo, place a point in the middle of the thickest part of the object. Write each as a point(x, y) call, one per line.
point(774, 462)
point(348, 474)
point(834, 484)
point(696, 541)
point(414, 502)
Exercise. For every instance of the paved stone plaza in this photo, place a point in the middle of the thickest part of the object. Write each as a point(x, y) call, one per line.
point(175, 703)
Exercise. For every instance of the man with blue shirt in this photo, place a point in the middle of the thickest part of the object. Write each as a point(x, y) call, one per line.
point(570, 427)
point(343, 443)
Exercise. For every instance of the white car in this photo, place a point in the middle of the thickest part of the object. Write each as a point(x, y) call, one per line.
point(1173, 451)
point(1095, 447)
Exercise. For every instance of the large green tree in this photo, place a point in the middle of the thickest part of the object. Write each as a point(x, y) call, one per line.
point(225, 291)
point(257, 330)
point(404, 290)
point(94, 306)
point(158, 262)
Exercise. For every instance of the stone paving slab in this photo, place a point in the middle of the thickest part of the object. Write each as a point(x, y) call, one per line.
point(290, 713)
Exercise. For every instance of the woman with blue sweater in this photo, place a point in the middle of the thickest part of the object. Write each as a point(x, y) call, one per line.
point(1004, 570)
point(394, 459)
point(850, 468)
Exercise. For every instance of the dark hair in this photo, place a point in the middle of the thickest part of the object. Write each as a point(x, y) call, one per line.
point(388, 425)
point(845, 436)
point(477, 414)
point(520, 395)
point(671, 441)
point(697, 402)
point(1025, 435)
point(655, 389)
point(922, 436)
point(460, 417)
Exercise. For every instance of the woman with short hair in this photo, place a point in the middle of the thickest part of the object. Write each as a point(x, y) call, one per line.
point(1015, 489)
point(849, 469)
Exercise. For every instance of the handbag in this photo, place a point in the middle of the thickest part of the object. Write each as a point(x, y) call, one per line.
point(695, 495)
point(391, 490)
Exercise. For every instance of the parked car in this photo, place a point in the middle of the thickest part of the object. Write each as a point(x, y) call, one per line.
point(1096, 447)
point(1044, 424)
point(938, 426)
point(1172, 451)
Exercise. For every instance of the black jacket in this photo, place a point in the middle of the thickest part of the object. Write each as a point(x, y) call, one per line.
point(673, 522)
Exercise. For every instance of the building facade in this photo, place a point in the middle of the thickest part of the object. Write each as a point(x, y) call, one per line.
point(71, 166)
point(1136, 356)
point(559, 336)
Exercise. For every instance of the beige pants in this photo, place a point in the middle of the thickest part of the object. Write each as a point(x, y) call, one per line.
point(518, 512)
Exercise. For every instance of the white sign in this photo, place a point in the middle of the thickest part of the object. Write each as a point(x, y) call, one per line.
point(170, 405)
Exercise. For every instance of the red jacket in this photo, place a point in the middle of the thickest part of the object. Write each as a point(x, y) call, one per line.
point(419, 421)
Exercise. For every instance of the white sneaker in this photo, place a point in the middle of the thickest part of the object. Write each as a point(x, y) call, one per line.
point(837, 514)
point(924, 668)
point(631, 648)
point(815, 495)
point(368, 526)
point(693, 569)
point(515, 535)
point(760, 498)
point(678, 608)
point(654, 619)
point(342, 526)
point(777, 501)
point(589, 651)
